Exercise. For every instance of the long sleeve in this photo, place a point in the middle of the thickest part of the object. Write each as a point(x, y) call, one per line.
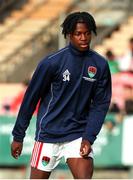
point(39, 83)
point(99, 106)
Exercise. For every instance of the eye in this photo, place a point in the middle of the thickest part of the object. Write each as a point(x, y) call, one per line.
point(77, 33)
point(88, 33)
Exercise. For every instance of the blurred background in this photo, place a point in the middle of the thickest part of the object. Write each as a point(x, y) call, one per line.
point(29, 30)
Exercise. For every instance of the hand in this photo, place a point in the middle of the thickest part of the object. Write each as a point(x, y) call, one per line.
point(85, 148)
point(16, 149)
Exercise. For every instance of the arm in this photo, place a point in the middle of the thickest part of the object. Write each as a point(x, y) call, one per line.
point(39, 83)
point(98, 109)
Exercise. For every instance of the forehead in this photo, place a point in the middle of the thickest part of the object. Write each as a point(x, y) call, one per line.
point(81, 27)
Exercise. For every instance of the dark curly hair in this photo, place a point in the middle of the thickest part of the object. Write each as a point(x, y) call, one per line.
point(72, 19)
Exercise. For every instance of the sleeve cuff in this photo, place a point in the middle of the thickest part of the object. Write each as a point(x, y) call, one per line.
point(91, 139)
point(17, 139)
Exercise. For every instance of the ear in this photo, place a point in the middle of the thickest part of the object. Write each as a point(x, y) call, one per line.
point(69, 36)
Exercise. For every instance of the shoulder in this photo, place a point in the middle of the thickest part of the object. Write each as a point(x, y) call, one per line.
point(58, 53)
point(54, 57)
point(101, 63)
point(100, 60)
point(53, 60)
point(98, 57)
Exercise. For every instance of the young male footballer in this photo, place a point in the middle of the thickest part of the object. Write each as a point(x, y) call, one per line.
point(73, 86)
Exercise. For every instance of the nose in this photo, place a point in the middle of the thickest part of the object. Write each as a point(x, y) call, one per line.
point(83, 37)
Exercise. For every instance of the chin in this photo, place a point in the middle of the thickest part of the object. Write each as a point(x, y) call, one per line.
point(83, 49)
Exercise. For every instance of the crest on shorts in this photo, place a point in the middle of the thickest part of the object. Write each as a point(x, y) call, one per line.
point(45, 160)
point(92, 71)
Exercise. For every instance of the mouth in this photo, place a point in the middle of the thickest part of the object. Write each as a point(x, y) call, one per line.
point(84, 45)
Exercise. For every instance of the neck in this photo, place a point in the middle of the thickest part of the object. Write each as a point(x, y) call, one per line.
point(76, 51)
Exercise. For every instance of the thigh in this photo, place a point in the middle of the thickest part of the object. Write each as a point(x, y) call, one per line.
point(39, 174)
point(81, 168)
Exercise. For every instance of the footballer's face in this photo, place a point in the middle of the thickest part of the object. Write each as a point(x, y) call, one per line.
point(81, 37)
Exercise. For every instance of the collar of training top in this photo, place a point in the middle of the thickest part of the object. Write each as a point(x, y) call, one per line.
point(77, 52)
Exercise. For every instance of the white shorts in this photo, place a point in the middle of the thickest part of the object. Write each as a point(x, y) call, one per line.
point(46, 156)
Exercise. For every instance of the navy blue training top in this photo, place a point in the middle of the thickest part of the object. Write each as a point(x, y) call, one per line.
point(74, 89)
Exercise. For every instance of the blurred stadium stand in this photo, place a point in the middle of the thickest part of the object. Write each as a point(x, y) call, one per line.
point(4, 4)
point(118, 40)
point(32, 33)
point(28, 34)
point(29, 30)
